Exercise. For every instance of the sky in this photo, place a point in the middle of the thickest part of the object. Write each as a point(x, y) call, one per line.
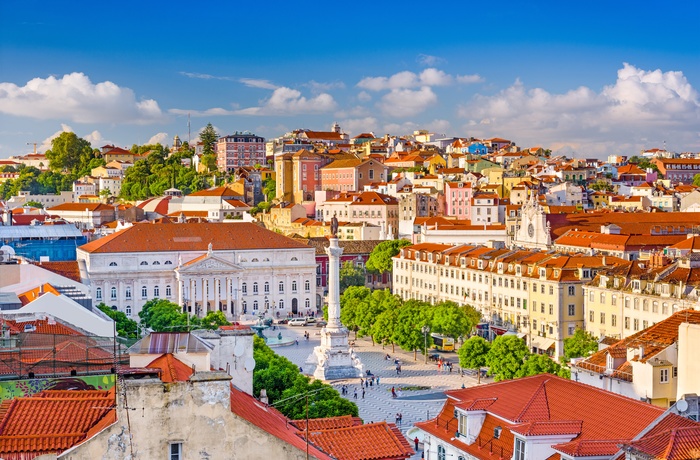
point(585, 79)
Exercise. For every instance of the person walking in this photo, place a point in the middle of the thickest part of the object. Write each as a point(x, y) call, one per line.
point(355, 394)
point(415, 442)
point(363, 393)
point(377, 381)
point(393, 392)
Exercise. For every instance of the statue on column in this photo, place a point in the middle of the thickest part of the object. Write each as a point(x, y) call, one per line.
point(334, 226)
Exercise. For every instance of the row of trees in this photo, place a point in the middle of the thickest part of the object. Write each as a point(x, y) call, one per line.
point(287, 388)
point(161, 315)
point(388, 320)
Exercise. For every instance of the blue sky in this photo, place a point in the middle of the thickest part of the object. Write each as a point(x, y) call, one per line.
point(610, 77)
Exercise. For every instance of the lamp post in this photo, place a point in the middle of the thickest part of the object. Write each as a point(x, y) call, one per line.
point(425, 329)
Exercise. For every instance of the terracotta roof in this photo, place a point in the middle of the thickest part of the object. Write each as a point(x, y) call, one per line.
point(218, 191)
point(343, 163)
point(92, 207)
point(69, 269)
point(35, 293)
point(190, 237)
point(331, 423)
point(364, 442)
point(270, 420)
point(675, 444)
point(172, 369)
point(51, 422)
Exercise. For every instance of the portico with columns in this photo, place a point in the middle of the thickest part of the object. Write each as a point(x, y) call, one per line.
point(208, 283)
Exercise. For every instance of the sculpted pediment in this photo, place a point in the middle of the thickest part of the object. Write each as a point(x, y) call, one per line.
point(209, 263)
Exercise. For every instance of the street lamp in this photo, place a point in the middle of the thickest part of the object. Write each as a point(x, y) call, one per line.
point(425, 329)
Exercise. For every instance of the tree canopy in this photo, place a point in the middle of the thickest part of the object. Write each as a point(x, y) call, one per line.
point(73, 154)
point(351, 275)
point(208, 137)
point(581, 344)
point(380, 259)
point(505, 358)
point(472, 354)
point(126, 327)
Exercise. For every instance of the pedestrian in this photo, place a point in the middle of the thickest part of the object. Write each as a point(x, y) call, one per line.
point(400, 418)
point(415, 442)
point(450, 368)
point(397, 418)
point(439, 366)
point(363, 393)
point(397, 369)
point(367, 383)
point(393, 392)
point(296, 341)
point(362, 382)
point(355, 395)
point(377, 381)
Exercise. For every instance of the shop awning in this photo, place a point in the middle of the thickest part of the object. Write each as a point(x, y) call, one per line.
point(542, 343)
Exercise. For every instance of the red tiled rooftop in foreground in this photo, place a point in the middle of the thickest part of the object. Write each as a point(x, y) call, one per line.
point(172, 369)
point(675, 444)
point(52, 421)
point(373, 441)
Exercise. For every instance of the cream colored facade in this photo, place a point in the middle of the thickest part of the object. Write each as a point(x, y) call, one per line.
point(688, 364)
point(538, 294)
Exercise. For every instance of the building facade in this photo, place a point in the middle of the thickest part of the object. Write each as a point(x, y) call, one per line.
point(239, 149)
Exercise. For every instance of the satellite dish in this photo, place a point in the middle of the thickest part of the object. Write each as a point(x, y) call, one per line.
point(238, 350)
point(249, 364)
point(682, 405)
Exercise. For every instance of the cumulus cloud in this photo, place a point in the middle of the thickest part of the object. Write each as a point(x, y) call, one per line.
point(319, 87)
point(401, 128)
point(407, 102)
point(428, 60)
point(639, 106)
point(468, 79)
point(94, 138)
point(407, 79)
point(159, 138)
point(364, 96)
point(288, 101)
point(439, 126)
point(74, 97)
point(46, 143)
point(356, 126)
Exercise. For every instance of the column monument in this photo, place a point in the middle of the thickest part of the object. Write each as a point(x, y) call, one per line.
point(334, 359)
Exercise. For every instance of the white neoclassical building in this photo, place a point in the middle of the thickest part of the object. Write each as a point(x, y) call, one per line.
point(237, 268)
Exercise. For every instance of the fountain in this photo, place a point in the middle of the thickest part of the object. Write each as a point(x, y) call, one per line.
point(272, 342)
point(260, 326)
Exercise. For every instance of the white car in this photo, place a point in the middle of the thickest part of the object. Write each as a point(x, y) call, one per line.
point(297, 322)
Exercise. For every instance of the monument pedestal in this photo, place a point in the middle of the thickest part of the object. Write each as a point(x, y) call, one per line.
point(334, 359)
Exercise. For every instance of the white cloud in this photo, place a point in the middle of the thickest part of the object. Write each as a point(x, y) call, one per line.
point(439, 126)
point(355, 126)
point(435, 77)
point(400, 129)
point(76, 98)
point(407, 79)
point(46, 143)
point(364, 96)
point(258, 83)
point(640, 107)
point(468, 79)
point(428, 60)
point(407, 102)
point(94, 138)
point(160, 138)
point(288, 101)
point(319, 87)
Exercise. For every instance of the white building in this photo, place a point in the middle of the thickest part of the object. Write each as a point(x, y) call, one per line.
point(237, 268)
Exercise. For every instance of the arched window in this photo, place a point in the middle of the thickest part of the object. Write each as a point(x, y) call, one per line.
point(156, 291)
point(128, 310)
point(267, 304)
point(244, 288)
point(112, 264)
point(244, 305)
point(128, 292)
point(266, 287)
point(294, 259)
point(143, 262)
point(294, 286)
point(168, 291)
point(307, 303)
point(307, 285)
point(98, 293)
point(144, 292)
point(156, 263)
point(167, 262)
point(255, 288)
point(113, 293)
point(281, 303)
point(255, 305)
point(281, 287)
point(254, 260)
point(441, 453)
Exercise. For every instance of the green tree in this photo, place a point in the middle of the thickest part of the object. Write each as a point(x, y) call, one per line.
point(270, 189)
point(34, 204)
point(213, 320)
point(696, 180)
point(69, 152)
point(472, 354)
point(105, 193)
point(381, 258)
point(208, 137)
point(539, 364)
point(369, 310)
point(580, 344)
point(350, 301)
point(161, 315)
point(505, 358)
point(126, 327)
point(350, 275)
point(411, 318)
point(450, 319)
point(383, 330)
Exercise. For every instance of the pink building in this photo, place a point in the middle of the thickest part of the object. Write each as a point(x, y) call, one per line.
point(458, 197)
point(350, 175)
point(239, 149)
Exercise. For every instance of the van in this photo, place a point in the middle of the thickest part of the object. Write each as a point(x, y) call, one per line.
point(297, 322)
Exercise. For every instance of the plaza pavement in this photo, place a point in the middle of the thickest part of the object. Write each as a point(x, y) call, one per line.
point(378, 405)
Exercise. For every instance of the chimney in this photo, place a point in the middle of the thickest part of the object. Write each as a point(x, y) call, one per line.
point(263, 396)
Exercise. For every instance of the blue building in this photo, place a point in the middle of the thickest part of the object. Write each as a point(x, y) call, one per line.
point(57, 242)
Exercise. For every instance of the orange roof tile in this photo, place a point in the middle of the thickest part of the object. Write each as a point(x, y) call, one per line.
point(35, 293)
point(190, 237)
point(364, 442)
point(69, 269)
point(172, 369)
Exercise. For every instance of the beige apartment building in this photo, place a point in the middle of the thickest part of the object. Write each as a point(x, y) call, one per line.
point(538, 294)
point(631, 297)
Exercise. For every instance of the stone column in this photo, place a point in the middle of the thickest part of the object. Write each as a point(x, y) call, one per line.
point(180, 294)
point(334, 252)
point(217, 295)
point(229, 286)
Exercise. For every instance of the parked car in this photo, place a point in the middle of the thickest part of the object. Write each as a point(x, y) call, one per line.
point(310, 319)
point(297, 322)
point(282, 321)
point(321, 323)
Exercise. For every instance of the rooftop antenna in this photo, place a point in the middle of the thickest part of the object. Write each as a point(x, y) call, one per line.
point(34, 144)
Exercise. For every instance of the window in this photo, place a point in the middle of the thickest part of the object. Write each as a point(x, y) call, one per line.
point(112, 264)
point(572, 290)
point(572, 310)
point(175, 449)
point(128, 292)
point(602, 318)
point(636, 324)
point(591, 316)
point(255, 288)
point(613, 299)
point(143, 262)
point(519, 453)
point(281, 287)
point(255, 305)
point(113, 293)
point(281, 305)
point(307, 285)
point(551, 290)
point(168, 291)
point(244, 288)
point(98, 293)
point(128, 310)
point(602, 297)
point(156, 263)
point(307, 303)
point(144, 292)
point(294, 286)
point(266, 287)
point(156, 291)
point(613, 320)
point(441, 453)
point(664, 376)
point(627, 322)
point(551, 309)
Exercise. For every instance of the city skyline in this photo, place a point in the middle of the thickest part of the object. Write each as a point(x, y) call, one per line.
point(612, 79)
